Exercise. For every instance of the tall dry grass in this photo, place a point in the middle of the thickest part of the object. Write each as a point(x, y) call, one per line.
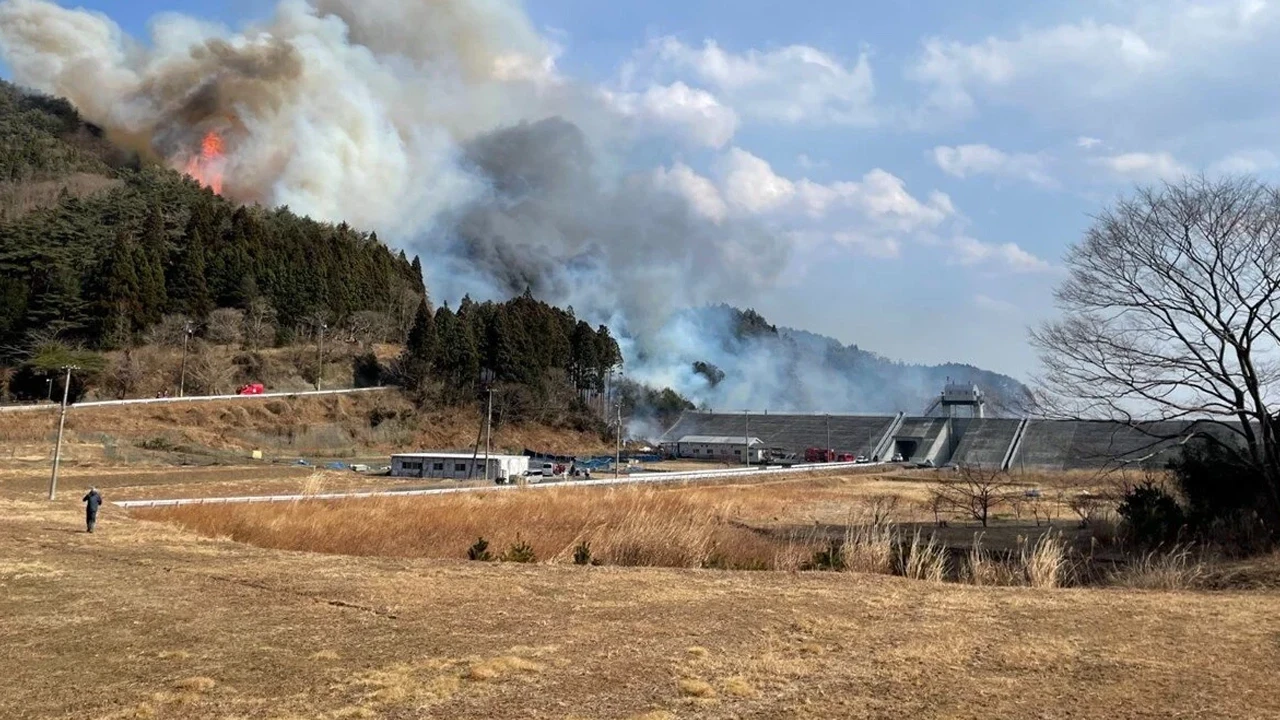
point(1042, 563)
point(624, 526)
point(922, 559)
point(1177, 568)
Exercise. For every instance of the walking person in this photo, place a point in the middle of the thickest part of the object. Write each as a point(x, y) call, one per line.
point(92, 502)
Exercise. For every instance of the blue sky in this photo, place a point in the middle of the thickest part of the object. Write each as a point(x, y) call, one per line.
point(929, 162)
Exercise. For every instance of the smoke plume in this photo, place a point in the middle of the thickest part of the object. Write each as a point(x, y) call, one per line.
point(445, 126)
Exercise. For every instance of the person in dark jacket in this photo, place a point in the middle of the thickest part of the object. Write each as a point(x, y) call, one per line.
point(92, 502)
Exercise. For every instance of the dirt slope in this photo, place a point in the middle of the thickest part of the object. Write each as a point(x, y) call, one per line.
point(322, 426)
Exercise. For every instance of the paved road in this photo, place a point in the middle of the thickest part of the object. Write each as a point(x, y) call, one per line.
point(188, 399)
point(634, 479)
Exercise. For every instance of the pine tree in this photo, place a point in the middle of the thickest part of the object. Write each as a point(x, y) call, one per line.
point(116, 293)
point(420, 351)
point(188, 287)
point(154, 252)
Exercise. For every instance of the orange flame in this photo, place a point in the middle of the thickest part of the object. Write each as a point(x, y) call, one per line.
point(207, 166)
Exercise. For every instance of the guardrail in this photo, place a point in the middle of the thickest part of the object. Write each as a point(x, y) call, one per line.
point(190, 398)
point(643, 478)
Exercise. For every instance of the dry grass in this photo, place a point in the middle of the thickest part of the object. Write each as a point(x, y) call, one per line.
point(1177, 568)
point(693, 687)
point(922, 559)
point(610, 642)
point(1045, 561)
point(632, 526)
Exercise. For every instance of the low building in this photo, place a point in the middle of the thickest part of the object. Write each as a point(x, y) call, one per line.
point(720, 447)
point(457, 466)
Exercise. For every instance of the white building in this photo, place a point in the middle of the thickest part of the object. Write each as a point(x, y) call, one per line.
point(457, 466)
point(720, 447)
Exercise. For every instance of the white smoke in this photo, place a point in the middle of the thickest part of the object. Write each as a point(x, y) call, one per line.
point(445, 126)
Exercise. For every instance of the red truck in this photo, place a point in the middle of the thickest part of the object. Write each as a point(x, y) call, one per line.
point(251, 389)
point(821, 455)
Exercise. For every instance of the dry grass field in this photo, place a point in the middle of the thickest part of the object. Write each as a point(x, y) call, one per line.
point(146, 619)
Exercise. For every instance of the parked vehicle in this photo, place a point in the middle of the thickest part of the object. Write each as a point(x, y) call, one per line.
point(251, 389)
point(897, 457)
point(862, 459)
point(819, 455)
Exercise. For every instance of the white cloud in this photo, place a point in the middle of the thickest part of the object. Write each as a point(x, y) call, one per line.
point(970, 252)
point(874, 215)
point(1088, 143)
point(1246, 162)
point(751, 185)
point(693, 113)
point(994, 305)
point(1143, 167)
point(967, 160)
point(1084, 65)
point(885, 248)
point(702, 194)
point(795, 84)
point(807, 163)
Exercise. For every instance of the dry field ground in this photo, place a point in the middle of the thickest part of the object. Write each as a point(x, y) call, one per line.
point(147, 620)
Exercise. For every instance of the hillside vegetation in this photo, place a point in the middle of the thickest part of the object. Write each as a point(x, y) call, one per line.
point(101, 252)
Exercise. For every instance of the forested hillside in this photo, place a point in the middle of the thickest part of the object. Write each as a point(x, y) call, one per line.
point(103, 251)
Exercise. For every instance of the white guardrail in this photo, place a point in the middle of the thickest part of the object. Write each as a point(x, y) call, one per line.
point(657, 477)
point(189, 399)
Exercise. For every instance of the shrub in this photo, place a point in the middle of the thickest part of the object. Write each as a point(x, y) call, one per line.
point(828, 557)
point(520, 552)
point(582, 554)
point(1151, 515)
point(479, 551)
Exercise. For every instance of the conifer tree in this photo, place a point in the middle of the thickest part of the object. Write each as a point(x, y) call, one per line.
point(189, 289)
point(116, 293)
point(420, 351)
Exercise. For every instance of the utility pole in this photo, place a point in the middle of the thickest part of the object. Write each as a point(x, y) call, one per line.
point(320, 359)
point(827, 449)
point(617, 458)
point(187, 329)
point(746, 439)
point(62, 421)
point(49, 395)
point(488, 429)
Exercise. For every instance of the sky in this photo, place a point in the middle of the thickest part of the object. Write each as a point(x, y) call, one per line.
point(929, 162)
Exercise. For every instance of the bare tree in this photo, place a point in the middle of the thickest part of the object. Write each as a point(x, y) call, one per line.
point(226, 326)
point(976, 492)
point(259, 324)
point(367, 327)
point(1170, 313)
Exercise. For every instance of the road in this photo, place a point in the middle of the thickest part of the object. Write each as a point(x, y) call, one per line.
point(189, 399)
point(634, 479)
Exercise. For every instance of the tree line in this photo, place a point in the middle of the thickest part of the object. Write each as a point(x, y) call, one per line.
point(523, 342)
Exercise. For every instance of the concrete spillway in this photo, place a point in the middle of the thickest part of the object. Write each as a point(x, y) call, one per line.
point(990, 442)
point(857, 434)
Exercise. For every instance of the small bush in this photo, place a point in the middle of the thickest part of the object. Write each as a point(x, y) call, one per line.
point(828, 557)
point(479, 551)
point(582, 553)
point(1152, 517)
point(520, 552)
